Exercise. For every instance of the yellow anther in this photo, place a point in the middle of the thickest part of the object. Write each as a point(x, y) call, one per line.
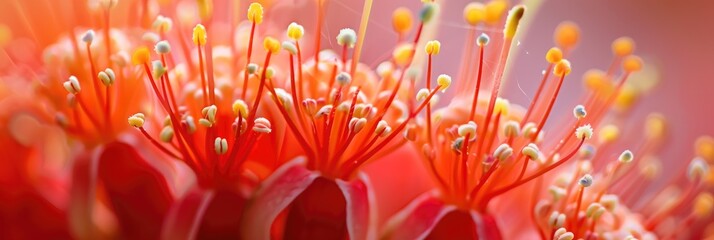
point(137, 120)
point(444, 81)
point(501, 106)
point(627, 97)
point(650, 168)
point(220, 145)
point(432, 47)
point(595, 80)
point(295, 31)
point(271, 44)
point(514, 17)
point(567, 35)
point(141, 55)
point(704, 147)
point(584, 132)
point(402, 20)
point(610, 201)
point(255, 13)
point(562, 68)
point(703, 205)
point(623, 46)
point(167, 133)
point(554, 55)
point(474, 13)
point(205, 8)
point(494, 11)
point(656, 126)
point(632, 63)
point(240, 108)
point(403, 53)
point(608, 133)
point(199, 35)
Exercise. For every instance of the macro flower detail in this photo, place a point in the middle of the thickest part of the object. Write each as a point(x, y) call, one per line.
point(210, 119)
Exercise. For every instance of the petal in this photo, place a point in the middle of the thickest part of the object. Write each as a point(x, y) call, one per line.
point(184, 217)
point(138, 193)
point(276, 193)
point(222, 217)
point(319, 212)
point(418, 218)
point(361, 218)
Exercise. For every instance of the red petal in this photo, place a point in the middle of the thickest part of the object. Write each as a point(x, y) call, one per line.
point(418, 218)
point(82, 197)
point(183, 219)
point(360, 217)
point(276, 194)
point(222, 218)
point(427, 217)
point(137, 192)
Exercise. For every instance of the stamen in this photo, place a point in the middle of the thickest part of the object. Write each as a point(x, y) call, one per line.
point(220, 145)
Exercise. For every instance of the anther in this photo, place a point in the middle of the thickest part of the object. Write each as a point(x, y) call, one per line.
point(556, 192)
point(586, 181)
point(704, 147)
point(623, 46)
point(310, 106)
point(514, 17)
point(587, 151)
point(167, 133)
point(469, 128)
point(324, 111)
point(503, 152)
point(483, 40)
point(220, 145)
point(655, 126)
point(240, 108)
point(383, 128)
point(271, 45)
point(422, 94)
point(566, 236)
point(162, 47)
point(609, 133)
point(357, 124)
point(595, 210)
point(295, 31)
point(72, 85)
point(137, 120)
point(502, 106)
point(626, 157)
point(402, 20)
point(262, 125)
point(554, 55)
point(584, 132)
point(457, 144)
point(531, 151)
point(556, 219)
point(703, 205)
point(562, 68)
point(290, 47)
point(609, 201)
point(474, 13)
point(432, 47)
point(495, 10)
point(402, 53)
point(347, 37)
point(567, 35)
point(632, 63)
point(427, 12)
point(511, 129)
point(255, 13)
point(444, 81)
point(88, 36)
point(108, 4)
point(343, 78)
point(579, 112)
point(199, 35)
point(698, 169)
point(158, 68)
point(252, 68)
point(141, 56)
point(162, 24)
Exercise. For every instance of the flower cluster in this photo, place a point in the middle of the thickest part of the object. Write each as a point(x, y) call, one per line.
point(175, 126)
